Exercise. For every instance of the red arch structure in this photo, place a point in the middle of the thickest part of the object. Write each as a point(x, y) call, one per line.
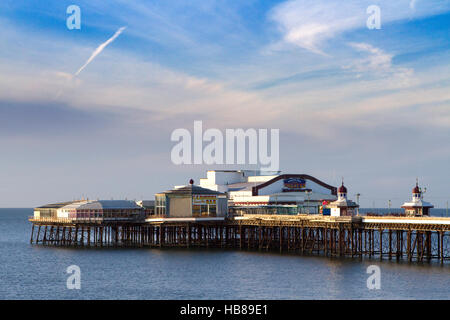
point(255, 189)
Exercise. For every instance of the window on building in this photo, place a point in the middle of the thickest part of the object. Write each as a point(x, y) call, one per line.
point(196, 210)
point(212, 210)
point(160, 205)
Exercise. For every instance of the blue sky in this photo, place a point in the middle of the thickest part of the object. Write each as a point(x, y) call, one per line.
point(370, 105)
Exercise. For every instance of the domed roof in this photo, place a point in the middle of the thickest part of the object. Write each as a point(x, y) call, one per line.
point(342, 189)
point(416, 189)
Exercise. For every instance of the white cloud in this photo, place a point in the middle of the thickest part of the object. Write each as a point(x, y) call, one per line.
point(379, 62)
point(310, 23)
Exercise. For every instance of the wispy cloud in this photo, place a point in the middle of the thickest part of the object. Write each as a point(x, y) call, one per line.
point(310, 23)
point(99, 49)
point(378, 62)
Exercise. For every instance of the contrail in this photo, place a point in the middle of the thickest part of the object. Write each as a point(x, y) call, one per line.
point(100, 49)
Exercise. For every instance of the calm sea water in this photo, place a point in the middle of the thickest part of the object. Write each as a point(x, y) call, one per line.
point(35, 272)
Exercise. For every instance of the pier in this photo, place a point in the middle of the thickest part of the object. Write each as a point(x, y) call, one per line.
point(400, 238)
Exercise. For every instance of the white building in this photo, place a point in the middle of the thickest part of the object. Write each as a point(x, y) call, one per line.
point(417, 207)
point(342, 206)
point(92, 210)
point(246, 188)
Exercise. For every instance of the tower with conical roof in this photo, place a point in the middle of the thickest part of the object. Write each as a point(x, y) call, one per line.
point(342, 206)
point(417, 207)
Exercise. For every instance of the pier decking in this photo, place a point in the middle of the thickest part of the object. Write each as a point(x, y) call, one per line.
point(418, 239)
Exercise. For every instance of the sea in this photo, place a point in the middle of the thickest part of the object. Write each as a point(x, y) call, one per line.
point(37, 272)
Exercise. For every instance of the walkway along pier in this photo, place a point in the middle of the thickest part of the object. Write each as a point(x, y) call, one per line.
point(414, 239)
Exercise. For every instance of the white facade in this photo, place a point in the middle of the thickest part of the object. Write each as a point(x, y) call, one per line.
point(63, 212)
point(250, 188)
point(91, 209)
point(417, 207)
point(221, 181)
point(342, 206)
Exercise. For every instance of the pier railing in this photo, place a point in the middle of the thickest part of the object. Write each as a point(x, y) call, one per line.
point(83, 220)
point(49, 220)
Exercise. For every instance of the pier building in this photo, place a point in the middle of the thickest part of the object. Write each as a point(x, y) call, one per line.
point(147, 204)
point(50, 211)
point(417, 207)
point(342, 206)
point(100, 210)
point(191, 201)
point(254, 192)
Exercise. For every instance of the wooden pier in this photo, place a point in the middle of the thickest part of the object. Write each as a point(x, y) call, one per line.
point(412, 239)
